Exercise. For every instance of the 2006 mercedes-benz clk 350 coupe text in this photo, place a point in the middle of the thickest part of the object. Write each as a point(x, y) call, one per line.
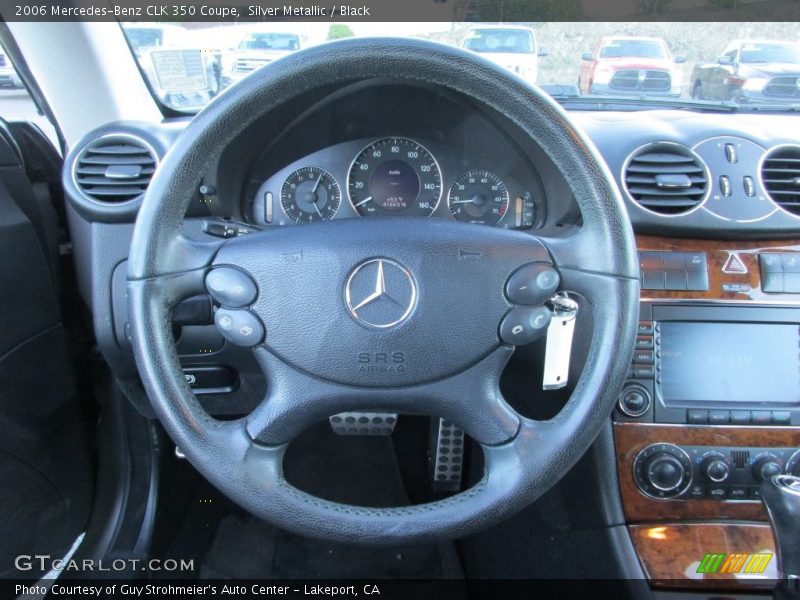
point(306, 300)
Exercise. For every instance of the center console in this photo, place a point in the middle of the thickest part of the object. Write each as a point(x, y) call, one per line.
point(711, 405)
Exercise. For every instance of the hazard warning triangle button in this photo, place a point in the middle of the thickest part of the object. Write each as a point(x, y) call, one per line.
point(734, 265)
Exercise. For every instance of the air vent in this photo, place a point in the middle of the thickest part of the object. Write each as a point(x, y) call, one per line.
point(115, 168)
point(780, 174)
point(666, 178)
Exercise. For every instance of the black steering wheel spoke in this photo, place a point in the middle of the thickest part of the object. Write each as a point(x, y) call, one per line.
point(471, 399)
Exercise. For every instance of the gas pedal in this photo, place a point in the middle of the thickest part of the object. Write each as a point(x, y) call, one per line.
point(363, 423)
point(448, 456)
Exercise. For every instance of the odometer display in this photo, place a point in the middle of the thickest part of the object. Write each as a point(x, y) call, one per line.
point(395, 176)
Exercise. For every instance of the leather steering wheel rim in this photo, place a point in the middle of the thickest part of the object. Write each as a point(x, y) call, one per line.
point(523, 458)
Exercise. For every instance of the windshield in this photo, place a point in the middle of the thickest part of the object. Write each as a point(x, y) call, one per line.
point(499, 40)
point(770, 53)
point(633, 49)
point(585, 66)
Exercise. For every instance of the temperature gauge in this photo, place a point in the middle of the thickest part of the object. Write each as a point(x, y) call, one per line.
point(522, 212)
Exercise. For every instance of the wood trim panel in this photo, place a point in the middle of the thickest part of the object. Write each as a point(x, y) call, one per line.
point(718, 252)
point(671, 553)
point(630, 438)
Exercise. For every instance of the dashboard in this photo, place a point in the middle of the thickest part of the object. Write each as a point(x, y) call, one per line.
point(399, 176)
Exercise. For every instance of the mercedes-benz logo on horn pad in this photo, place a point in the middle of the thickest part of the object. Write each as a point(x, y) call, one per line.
point(380, 293)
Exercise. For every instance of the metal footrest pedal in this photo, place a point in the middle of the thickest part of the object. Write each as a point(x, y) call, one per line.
point(363, 423)
point(447, 455)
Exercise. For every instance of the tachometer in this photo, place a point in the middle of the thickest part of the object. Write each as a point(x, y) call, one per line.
point(478, 197)
point(310, 194)
point(395, 176)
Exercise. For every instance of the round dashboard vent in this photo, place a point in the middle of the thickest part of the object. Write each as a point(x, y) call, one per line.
point(780, 174)
point(666, 178)
point(115, 168)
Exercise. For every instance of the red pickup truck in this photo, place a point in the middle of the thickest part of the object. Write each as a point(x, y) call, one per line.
point(631, 65)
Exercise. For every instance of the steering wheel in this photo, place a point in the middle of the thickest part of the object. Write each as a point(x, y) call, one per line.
point(316, 302)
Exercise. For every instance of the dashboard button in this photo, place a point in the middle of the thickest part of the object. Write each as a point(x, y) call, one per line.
point(725, 185)
point(731, 154)
point(231, 287)
point(719, 417)
point(770, 262)
point(643, 371)
point(634, 400)
point(675, 280)
point(772, 283)
point(674, 261)
point(643, 357)
point(653, 280)
point(738, 492)
point(781, 417)
point(791, 283)
point(645, 328)
point(740, 417)
point(717, 493)
point(696, 261)
point(696, 491)
point(644, 342)
point(749, 186)
point(762, 417)
point(697, 281)
point(790, 262)
point(697, 416)
point(651, 261)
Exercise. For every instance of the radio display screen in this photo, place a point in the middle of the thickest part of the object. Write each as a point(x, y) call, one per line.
point(726, 363)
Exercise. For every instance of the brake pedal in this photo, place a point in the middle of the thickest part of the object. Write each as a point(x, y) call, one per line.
point(448, 456)
point(363, 423)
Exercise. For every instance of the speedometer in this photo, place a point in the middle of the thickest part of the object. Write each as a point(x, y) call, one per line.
point(395, 176)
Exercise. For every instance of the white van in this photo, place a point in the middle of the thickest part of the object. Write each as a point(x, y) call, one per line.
point(513, 47)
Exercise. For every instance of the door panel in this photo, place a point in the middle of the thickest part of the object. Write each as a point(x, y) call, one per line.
point(45, 458)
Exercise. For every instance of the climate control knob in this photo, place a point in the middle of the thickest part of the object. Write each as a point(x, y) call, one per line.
point(665, 472)
point(715, 469)
point(662, 471)
point(766, 468)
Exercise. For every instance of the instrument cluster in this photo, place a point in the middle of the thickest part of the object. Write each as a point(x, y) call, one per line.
point(398, 176)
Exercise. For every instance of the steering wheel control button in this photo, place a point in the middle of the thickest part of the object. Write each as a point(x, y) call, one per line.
point(240, 327)
point(532, 284)
point(662, 471)
point(380, 293)
point(524, 325)
point(231, 287)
